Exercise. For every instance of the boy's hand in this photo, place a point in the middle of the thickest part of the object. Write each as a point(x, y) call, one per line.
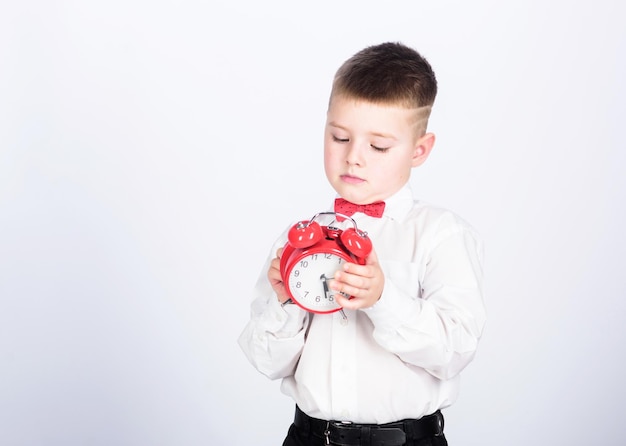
point(276, 280)
point(364, 282)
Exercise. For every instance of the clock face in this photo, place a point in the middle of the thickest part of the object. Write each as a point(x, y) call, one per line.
point(307, 281)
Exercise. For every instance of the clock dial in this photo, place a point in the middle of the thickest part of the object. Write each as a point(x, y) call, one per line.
point(308, 281)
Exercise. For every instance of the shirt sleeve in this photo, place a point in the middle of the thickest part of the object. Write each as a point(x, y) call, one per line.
point(436, 326)
point(274, 336)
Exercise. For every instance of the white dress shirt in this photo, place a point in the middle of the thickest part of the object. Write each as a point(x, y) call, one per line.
point(400, 358)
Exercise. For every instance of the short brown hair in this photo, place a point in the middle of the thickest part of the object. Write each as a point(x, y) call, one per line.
point(388, 73)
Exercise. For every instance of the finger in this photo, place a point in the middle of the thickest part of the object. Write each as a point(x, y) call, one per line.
point(344, 290)
point(274, 275)
point(275, 264)
point(356, 278)
point(352, 291)
point(279, 253)
point(349, 303)
point(356, 270)
point(276, 281)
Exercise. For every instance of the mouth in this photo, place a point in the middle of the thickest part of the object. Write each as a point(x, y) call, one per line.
point(351, 179)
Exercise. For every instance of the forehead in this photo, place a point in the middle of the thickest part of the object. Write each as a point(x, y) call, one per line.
point(360, 115)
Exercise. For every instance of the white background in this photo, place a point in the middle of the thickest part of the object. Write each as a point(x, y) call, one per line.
point(151, 151)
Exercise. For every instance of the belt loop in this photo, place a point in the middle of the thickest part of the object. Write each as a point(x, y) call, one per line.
point(366, 436)
point(409, 431)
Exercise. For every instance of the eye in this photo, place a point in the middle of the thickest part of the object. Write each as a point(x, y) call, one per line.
point(340, 140)
point(379, 149)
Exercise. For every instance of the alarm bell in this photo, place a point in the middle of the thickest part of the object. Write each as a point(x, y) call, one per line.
point(307, 233)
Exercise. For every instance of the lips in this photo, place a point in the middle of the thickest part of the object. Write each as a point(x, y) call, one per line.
point(351, 179)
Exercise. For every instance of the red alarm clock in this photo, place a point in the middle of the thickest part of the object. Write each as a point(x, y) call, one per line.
point(311, 256)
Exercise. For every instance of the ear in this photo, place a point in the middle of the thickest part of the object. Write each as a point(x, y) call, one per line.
point(423, 147)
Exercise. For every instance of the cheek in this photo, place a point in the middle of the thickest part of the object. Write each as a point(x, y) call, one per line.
point(328, 162)
point(397, 170)
point(330, 158)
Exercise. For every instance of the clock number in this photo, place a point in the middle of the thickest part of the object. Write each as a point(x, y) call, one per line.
point(304, 264)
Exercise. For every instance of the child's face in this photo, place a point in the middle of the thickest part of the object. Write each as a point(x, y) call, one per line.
point(370, 149)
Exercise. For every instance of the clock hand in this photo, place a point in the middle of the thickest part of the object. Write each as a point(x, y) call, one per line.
point(325, 284)
point(324, 279)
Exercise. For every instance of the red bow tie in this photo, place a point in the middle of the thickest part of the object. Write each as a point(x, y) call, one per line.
point(346, 208)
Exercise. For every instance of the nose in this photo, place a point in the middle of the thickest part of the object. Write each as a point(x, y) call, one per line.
point(354, 155)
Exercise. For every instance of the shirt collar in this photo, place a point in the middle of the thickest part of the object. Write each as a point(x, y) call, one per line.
point(399, 204)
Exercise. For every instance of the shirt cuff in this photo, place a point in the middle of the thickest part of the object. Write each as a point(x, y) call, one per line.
point(284, 320)
point(393, 308)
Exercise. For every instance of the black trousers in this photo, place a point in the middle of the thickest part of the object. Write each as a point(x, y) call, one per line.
point(298, 436)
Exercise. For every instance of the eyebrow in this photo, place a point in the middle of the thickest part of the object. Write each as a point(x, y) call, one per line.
point(377, 134)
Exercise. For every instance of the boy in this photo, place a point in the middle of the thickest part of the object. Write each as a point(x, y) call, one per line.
point(378, 372)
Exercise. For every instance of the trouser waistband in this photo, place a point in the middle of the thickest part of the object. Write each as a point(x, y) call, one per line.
point(389, 434)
